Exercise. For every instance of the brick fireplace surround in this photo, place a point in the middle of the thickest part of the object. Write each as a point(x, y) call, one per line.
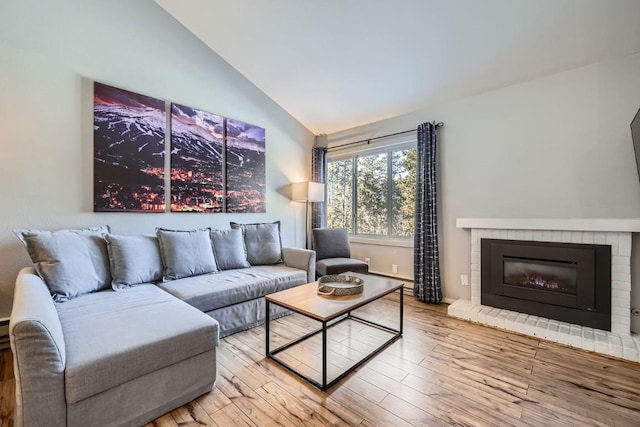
point(620, 342)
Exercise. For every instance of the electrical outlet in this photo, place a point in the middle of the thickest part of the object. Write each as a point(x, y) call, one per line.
point(464, 280)
point(394, 268)
point(368, 261)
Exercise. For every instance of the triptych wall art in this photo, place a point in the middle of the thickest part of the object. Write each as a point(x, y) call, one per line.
point(217, 164)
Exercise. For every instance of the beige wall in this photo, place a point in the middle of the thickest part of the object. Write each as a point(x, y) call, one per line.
point(555, 147)
point(50, 52)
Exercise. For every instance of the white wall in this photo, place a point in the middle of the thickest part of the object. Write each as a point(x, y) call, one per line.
point(383, 256)
point(50, 52)
point(554, 147)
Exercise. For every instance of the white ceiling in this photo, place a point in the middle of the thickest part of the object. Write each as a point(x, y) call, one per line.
point(336, 64)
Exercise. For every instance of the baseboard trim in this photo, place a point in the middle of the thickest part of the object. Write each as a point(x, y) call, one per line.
point(392, 276)
point(408, 289)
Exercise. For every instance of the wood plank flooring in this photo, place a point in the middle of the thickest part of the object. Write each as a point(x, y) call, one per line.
point(443, 371)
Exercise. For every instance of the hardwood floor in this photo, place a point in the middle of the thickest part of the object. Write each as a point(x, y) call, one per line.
point(443, 371)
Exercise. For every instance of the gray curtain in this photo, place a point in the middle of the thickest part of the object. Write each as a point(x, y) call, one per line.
point(318, 174)
point(426, 258)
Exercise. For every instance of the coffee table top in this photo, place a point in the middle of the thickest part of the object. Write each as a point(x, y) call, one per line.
point(304, 298)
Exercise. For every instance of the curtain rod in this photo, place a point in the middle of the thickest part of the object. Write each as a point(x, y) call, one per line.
point(368, 140)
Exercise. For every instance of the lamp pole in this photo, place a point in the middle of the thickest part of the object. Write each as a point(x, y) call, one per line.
point(306, 225)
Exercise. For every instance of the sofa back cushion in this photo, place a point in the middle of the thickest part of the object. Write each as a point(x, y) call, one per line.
point(263, 243)
point(71, 262)
point(229, 249)
point(186, 253)
point(134, 260)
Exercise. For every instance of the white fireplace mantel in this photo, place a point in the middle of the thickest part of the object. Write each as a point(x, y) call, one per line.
point(564, 224)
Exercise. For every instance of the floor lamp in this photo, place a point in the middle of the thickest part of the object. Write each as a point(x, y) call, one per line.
point(307, 192)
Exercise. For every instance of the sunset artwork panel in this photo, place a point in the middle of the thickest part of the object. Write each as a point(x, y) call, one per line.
point(197, 150)
point(245, 167)
point(129, 149)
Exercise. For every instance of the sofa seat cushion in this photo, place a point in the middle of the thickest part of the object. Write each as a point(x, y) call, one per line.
point(114, 337)
point(233, 286)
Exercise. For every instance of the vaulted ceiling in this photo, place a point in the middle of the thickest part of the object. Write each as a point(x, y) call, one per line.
point(336, 64)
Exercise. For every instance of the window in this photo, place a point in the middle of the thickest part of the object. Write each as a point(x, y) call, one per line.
point(373, 193)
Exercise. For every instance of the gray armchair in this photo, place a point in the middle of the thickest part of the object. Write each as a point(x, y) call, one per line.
point(333, 253)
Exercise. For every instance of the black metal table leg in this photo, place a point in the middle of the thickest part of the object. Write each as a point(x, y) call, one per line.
point(266, 325)
point(324, 356)
point(401, 308)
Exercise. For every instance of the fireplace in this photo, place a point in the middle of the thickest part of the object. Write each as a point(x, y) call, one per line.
point(563, 281)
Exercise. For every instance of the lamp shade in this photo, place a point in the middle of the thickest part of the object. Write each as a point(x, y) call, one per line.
point(307, 191)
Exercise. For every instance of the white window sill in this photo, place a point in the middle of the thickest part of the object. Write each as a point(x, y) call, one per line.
point(382, 241)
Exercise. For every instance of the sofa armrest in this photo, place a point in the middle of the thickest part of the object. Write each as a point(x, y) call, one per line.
point(39, 355)
point(304, 259)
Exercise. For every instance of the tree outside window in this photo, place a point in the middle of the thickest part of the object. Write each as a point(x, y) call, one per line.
point(340, 194)
point(404, 191)
point(373, 194)
point(372, 208)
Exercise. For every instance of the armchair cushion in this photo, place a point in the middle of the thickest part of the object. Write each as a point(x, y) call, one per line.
point(331, 243)
point(340, 265)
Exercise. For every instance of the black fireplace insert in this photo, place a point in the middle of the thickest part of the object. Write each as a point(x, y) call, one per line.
point(563, 281)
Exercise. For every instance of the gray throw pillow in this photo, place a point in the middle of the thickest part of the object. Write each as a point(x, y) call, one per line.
point(263, 243)
point(134, 260)
point(186, 253)
point(229, 249)
point(71, 262)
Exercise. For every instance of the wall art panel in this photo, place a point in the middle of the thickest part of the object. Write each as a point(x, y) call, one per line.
point(245, 167)
point(197, 150)
point(129, 149)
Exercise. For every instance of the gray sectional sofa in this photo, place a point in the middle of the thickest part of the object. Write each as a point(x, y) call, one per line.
point(88, 354)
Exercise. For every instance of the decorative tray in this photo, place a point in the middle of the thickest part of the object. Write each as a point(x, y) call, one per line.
point(339, 284)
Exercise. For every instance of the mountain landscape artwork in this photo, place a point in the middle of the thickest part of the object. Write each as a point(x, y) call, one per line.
point(217, 164)
point(197, 156)
point(245, 167)
point(129, 149)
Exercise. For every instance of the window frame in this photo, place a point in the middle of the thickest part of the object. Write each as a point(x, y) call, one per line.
point(354, 154)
